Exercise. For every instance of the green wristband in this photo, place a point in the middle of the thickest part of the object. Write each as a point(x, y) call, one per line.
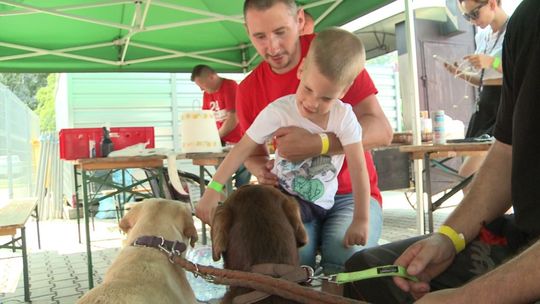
point(496, 63)
point(375, 272)
point(216, 186)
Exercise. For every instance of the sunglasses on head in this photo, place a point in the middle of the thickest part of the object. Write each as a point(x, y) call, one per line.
point(474, 13)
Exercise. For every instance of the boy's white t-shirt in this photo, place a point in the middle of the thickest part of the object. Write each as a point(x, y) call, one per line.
point(314, 179)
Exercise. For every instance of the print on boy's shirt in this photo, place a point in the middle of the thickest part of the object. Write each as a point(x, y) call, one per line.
point(306, 179)
point(218, 113)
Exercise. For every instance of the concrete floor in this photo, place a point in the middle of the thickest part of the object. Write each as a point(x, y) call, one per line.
point(58, 271)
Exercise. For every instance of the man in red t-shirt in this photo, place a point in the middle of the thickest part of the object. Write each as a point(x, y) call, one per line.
point(273, 28)
point(219, 96)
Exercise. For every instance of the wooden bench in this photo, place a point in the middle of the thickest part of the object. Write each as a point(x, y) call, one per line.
point(13, 217)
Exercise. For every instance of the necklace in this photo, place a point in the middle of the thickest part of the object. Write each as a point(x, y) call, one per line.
point(499, 34)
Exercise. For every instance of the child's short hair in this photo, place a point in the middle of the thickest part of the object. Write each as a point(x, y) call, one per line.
point(338, 54)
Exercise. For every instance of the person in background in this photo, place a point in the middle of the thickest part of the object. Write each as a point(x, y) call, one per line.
point(491, 18)
point(481, 255)
point(334, 60)
point(219, 95)
point(309, 24)
point(274, 29)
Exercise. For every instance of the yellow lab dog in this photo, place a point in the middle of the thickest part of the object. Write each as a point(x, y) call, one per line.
point(144, 274)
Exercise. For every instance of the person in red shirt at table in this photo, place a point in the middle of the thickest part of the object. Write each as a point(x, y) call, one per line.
point(219, 96)
point(274, 29)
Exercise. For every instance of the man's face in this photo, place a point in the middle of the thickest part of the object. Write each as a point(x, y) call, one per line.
point(275, 35)
point(206, 83)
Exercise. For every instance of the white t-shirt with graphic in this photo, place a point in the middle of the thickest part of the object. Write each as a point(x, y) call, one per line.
point(313, 179)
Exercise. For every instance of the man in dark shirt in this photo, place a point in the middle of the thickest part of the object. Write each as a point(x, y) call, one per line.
point(476, 238)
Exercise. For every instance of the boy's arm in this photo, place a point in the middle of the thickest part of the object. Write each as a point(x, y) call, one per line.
point(354, 153)
point(234, 159)
point(230, 164)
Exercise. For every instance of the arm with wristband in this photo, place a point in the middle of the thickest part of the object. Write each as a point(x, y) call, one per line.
point(488, 198)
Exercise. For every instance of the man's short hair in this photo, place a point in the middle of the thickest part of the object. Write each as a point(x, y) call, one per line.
point(201, 70)
point(262, 5)
point(338, 54)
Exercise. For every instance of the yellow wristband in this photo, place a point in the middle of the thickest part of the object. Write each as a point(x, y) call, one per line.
point(457, 238)
point(216, 186)
point(496, 63)
point(325, 143)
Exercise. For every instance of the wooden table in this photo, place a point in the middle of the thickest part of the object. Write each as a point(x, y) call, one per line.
point(87, 168)
point(13, 217)
point(429, 152)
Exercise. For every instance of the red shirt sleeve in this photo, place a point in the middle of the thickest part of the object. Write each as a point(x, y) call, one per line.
point(229, 94)
point(244, 108)
point(361, 88)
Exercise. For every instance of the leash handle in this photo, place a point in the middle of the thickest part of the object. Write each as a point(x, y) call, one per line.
point(375, 272)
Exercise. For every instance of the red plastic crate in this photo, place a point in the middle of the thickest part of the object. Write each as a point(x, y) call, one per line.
point(75, 142)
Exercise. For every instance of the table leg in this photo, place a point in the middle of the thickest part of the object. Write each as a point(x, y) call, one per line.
point(37, 226)
point(428, 190)
point(86, 206)
point(77, 202)
point(453, 191)
point(202, 186)
point(161, 182)
point(26, 280)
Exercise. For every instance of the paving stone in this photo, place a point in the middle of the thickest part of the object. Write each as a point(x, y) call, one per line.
point(65, 292)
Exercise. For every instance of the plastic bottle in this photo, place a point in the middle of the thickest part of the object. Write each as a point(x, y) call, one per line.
point(106, 143)
point(92, 148)
point(439, 131)
point(204, 291)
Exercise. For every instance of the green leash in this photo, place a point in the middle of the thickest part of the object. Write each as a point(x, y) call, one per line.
point(375, 272)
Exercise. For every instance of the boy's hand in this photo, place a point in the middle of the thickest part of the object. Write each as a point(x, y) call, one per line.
point(357, 233)
point(206, 206)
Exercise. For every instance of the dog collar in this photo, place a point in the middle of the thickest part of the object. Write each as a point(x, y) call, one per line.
point(158, 242)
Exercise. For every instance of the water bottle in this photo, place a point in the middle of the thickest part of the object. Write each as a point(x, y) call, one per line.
point(204, 291)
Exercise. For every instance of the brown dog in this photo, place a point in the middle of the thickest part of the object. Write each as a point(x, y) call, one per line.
point(144, 274)
point(255, 225)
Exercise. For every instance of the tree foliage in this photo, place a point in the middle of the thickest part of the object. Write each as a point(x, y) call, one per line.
point(46, 107)
point(24, 86)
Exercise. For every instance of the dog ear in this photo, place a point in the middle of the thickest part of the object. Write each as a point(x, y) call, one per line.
point(292, 212)
point(221, 225)
point(130, 218)
point(189, 229)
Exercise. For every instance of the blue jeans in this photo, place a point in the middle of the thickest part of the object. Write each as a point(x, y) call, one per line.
point(241, 177)
point(328, 234)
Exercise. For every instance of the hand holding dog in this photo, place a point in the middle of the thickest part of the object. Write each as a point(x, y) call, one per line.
point(356, 233)
point(207, 205)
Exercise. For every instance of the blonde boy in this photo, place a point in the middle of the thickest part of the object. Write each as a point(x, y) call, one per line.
point(335, 58)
